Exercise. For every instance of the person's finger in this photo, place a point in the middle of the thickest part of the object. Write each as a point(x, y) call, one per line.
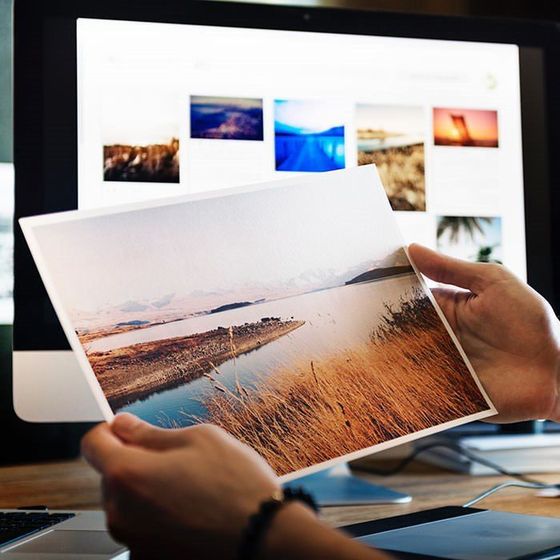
point(445, 297)
point(449, 299)
point(134, 431)
point(100, 446)
point(448, 270)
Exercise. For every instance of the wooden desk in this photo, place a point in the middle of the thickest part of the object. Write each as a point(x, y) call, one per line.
point(74, 485)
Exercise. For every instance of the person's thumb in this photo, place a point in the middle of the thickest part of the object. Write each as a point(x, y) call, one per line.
point(134, 431)
point(448, 270)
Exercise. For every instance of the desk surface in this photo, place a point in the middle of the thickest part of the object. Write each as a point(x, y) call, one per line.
point(74, 485)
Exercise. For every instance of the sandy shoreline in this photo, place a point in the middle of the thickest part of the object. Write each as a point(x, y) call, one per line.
point(88, 336)
point(134, 372)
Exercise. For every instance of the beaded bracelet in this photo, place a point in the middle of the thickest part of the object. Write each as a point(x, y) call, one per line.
point(259, 522)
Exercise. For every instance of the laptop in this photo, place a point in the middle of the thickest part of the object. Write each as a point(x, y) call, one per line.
point(54, 535)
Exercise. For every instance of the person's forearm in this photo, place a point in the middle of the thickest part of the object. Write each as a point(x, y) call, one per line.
point(297, 534)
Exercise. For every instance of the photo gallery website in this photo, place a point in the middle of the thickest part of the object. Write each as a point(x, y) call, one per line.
point(171, 109)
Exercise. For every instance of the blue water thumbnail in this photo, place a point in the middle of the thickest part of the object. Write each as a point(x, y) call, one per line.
point(306, 138)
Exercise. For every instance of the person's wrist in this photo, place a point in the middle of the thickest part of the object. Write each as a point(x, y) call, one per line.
point(259, 522)
point(277, 542)
point(548, 401)
point(298, 534)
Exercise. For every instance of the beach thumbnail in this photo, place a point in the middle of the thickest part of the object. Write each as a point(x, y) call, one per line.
point(465, 127)
point(308, 135)
point(392, 137)
point(477, 239)
point(226, 118)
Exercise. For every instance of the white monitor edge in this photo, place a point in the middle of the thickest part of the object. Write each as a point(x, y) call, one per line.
point(49, 387)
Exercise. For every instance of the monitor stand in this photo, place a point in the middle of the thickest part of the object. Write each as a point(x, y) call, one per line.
point(337, 486)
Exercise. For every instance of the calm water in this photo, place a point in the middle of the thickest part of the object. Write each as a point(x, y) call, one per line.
point(375, 144)
point(309, 152)
point(334, 319)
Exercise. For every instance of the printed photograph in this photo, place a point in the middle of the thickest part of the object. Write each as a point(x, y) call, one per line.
point(141, 139)
point(308, 135)
point(477, 239)
point(226, 118)
point(249, 311)
point(466, 127)
point(392, 137)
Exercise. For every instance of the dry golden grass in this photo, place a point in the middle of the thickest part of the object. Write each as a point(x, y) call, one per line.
point(402, 174)
point(409, 377)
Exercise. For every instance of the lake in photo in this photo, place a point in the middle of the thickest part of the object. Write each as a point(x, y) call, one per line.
point(334, 318)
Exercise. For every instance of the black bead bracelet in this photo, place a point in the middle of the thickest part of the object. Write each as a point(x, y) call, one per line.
point(260, 521)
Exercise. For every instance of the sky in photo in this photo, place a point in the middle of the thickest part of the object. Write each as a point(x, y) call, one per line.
point(482, 124)
point(391, 118)
point(225, 102)
point(309, 115)
point(141, 117)
point(321, 226)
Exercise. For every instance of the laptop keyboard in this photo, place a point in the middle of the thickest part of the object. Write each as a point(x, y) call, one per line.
point(17, 524)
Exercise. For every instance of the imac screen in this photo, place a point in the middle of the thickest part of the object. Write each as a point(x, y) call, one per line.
point(168, 109)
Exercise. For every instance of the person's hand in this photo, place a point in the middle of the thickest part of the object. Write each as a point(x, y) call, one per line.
point(189, 493)
point(508, 331)
point(177, 493)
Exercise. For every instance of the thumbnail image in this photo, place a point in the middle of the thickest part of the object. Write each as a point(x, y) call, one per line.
point(477, 239)
point(152, 163)
point(308, 135)
point(226, 118)
point(466, 127)
point(298, 347)
point(392, 137)
point(140, 135)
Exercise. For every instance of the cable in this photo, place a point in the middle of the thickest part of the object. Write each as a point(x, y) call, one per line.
point(524, 481)
point(461, 451)
point(486, 493)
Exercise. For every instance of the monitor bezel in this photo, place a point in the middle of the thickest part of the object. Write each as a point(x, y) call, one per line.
point(45, 114)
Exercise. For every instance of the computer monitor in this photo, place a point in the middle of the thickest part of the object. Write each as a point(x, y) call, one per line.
point(117, 102)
